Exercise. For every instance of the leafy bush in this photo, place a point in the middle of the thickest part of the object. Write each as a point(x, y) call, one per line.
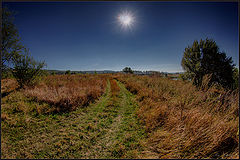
point(26, 70)
point(204, 58)
point(185, 76)
point(6, 73)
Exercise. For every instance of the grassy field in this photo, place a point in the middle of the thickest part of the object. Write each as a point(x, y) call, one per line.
point(184, 122)
point(118, 116)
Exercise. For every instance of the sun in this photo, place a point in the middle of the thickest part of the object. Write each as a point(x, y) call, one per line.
point(126, 19)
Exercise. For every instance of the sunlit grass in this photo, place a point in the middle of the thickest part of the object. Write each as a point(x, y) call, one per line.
point(177, 120)
point(185, 122)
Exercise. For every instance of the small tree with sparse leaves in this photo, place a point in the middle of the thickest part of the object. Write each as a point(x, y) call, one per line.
point(26, 70)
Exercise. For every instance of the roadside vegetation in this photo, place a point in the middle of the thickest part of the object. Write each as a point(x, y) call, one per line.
point(185, 122)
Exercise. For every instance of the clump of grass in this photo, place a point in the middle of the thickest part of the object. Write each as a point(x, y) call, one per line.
point(186, 122)
point(114, 87)
point(4, 116)
point(8, 85)
point(67, 92)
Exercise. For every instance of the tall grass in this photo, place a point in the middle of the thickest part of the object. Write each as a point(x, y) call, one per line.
point(114, 87)
point(67, 92)
point(185, 122)
point(8, 85)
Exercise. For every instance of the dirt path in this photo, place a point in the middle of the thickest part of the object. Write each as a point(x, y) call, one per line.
point(106, 129)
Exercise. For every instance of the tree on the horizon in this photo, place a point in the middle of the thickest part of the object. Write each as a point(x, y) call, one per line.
point(204, 58)
point(67, 72)
point(127, 70)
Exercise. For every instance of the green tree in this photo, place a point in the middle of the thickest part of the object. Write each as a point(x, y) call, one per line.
point(128, 70)
point(26, 70)
point(11, 46)
point(7, 73)
point(45, 72)
point(53, 73)
point(184, 76)
point(68, 72)
point(204, 58)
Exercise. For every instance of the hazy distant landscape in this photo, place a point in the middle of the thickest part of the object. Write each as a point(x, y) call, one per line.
point(144, 82)
point(109, 71)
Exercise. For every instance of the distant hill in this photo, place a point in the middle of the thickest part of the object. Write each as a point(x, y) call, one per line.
point(109, 71)
point(81, 72)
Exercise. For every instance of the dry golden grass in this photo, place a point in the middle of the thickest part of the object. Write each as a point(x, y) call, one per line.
point(184, 122)
point(67, 92)
point(8, 85)
point(4, 116)
point(114, 87)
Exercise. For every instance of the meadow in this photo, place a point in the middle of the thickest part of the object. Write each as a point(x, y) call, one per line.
point(118, 116)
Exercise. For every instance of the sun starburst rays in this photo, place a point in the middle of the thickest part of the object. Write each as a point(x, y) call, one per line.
point(126, 19)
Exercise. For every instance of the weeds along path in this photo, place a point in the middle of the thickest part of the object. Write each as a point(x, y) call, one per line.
point(106, 129)
point(65, 135)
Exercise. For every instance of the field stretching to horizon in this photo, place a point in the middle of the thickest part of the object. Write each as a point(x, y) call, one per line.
point(118, 116)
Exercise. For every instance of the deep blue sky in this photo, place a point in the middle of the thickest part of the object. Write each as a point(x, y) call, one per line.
point(87, 35)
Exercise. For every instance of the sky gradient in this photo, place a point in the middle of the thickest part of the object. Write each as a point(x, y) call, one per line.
point(87, 36)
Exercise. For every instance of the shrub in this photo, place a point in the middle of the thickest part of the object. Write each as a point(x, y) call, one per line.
point(204, 58)
point(7, 73)
point(26, 70)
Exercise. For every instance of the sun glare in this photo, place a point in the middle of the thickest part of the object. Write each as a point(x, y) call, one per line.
point(126, 19)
